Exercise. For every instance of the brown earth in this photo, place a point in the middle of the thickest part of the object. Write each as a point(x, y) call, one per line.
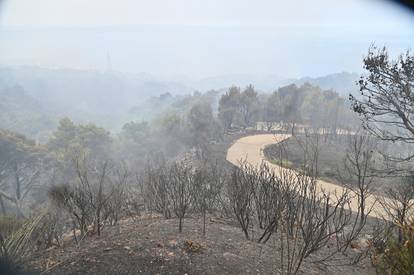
point(152, 245)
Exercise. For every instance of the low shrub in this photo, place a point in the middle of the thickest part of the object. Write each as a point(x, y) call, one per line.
point(397, 257)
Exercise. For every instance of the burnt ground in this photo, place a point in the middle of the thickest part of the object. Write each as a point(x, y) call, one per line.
point(152, 245)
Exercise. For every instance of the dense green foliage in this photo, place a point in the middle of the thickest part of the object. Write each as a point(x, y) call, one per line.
point(397, 257)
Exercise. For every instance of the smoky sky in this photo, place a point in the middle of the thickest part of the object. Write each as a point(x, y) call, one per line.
point(201, 38)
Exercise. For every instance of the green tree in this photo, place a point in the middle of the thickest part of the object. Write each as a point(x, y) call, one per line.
point(248, 105)
point(69, 140)
point(136, 131)
point(202, 123)
point(292, 98)
point(271, 112)
point(21, 162)
point(228, 107)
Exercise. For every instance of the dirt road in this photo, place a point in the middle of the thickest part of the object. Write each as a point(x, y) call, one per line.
point(250, 149)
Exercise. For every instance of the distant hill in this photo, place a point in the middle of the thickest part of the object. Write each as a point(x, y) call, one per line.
point(343, 83)
point(22, 113)
point(101, 97)
point(264, 83)
point(88, 91)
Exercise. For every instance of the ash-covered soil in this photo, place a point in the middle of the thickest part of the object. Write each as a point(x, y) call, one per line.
point(150, 244)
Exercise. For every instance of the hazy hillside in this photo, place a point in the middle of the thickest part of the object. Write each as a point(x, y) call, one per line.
point(262, 82)
point(34, 99)
point(73, 91)
point(101, 97)
point(167, 103)
point(23, 113)
point(343, 83)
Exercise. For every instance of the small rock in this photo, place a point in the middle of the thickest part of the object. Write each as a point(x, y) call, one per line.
point(231, 255)
point(173, 243)
point(139, 247)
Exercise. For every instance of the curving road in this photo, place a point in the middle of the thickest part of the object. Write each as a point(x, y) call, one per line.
point(250, 149)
